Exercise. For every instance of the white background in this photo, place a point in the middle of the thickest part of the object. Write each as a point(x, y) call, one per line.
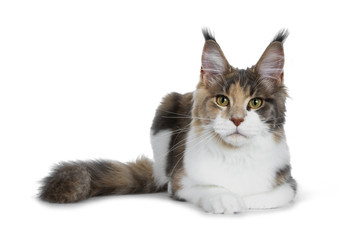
point(82, 79)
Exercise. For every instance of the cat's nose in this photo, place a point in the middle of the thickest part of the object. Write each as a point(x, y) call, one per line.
point(237, 121)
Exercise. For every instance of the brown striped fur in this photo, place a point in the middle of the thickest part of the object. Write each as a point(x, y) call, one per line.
point(284, 176)
point(76, 181)
point(174, 113)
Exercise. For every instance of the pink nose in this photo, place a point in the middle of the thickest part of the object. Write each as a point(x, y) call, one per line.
point(237, 121)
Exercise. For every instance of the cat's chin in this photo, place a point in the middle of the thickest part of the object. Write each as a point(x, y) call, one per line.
point(235, 139)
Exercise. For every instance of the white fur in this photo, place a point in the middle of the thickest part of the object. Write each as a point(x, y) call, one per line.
point(277, 197)
point(221, 179)
point(252, 126)
point(160, 144)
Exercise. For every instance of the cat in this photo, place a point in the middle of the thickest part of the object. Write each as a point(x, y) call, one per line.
point(221, 147)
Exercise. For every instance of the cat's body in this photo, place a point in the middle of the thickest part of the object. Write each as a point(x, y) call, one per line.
point(221, 147)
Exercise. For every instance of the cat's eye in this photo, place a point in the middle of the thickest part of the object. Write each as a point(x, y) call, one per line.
point(255, 103)
point(222, 100)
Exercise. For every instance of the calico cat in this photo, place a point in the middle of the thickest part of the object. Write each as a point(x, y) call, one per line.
point(221, 147)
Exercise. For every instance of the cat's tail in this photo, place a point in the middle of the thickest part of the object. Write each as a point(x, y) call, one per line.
point(79, 180)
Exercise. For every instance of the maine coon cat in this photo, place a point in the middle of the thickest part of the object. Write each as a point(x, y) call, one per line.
point(221, 147)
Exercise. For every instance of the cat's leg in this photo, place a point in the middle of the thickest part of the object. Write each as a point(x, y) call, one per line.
point(278, 197)
point(210, 198)
point(216, 199)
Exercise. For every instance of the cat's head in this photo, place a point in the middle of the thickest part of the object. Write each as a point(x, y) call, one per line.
point(236, 105)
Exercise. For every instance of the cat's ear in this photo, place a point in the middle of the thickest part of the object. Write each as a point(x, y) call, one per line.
point(213, 60)
point(214, 63)
point(270, 65)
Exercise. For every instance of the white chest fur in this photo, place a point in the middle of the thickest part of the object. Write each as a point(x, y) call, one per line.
point(246, 170)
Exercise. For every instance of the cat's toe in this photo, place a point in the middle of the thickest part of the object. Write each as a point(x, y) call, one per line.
point(225, 203)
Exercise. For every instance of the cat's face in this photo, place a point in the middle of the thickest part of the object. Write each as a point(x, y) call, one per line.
point(237, 105)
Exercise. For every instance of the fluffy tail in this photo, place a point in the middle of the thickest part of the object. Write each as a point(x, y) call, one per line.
point(76, 181)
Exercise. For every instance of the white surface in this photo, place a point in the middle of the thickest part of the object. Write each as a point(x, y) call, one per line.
point(82, 79)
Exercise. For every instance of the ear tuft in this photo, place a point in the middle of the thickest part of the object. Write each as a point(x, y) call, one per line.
point(281, 36)
point(208, 35)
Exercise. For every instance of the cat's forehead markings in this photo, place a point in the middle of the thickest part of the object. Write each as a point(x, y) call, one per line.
point(234, 78)
point(237, 93)
point(235, 89)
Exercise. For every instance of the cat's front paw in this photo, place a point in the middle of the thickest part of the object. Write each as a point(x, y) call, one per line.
point(227, 203)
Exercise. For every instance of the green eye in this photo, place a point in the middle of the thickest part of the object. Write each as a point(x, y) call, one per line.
point(255, 103)
point(222, 101)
